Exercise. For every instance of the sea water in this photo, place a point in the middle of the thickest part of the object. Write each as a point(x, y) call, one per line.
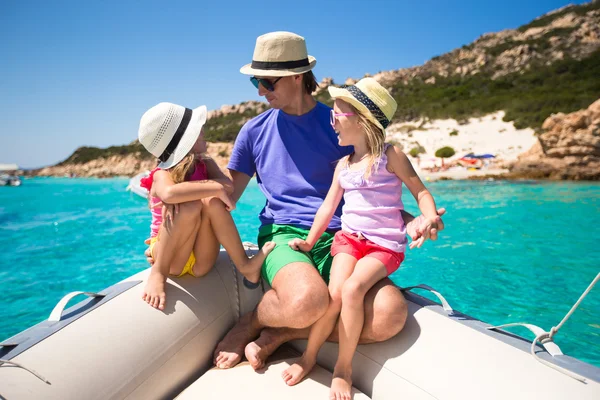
point(511, 251)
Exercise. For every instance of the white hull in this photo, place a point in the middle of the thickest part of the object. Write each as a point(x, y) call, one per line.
point(123, 349)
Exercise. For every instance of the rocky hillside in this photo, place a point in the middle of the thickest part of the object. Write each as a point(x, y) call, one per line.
point(569, 148)
point(114, 164)
point(549, 65)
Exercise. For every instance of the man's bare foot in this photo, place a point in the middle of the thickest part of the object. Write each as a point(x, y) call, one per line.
point(295, 373)
point(258, 351)
point(251, 270)
point(341, 385)
point(154, 292)
point(230, 350)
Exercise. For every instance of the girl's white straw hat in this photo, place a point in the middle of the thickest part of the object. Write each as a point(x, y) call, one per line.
point(168, 131)
point(279, 54)
point(370, 99)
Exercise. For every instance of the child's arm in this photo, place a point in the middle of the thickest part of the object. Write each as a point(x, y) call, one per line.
point(171, 193)
point(323, 216)
point(216, 174)
point(401, 166)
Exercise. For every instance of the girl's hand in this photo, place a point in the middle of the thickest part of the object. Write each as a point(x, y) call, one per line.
point(169, 211)
point(148, 253)
point(421, 230)
point(224, 196)
point(300, 245)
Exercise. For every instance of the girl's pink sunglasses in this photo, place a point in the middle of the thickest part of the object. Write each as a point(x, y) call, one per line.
point(333, 116)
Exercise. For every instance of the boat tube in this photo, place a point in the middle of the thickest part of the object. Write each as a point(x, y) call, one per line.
point(114, 346)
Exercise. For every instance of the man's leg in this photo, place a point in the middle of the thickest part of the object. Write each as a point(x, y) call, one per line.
point(298, 299)
point(386, 311)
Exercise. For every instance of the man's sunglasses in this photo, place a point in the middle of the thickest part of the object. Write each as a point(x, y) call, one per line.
point(267, 84)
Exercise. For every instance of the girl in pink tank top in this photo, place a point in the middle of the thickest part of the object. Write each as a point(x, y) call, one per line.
point(372, 241)
point(192, 194)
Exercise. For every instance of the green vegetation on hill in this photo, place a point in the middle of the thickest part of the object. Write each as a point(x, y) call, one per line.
point(547, 19)
point(528, 98)
point(225, 128)
point(85, 154)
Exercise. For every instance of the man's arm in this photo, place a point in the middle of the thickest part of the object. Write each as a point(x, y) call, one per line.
point(240, 181)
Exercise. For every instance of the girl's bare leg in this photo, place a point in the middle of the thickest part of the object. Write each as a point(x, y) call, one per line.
point(341, 269)
point(228, 235)
point(206, 248)
point(171, 251)
point(367, 273)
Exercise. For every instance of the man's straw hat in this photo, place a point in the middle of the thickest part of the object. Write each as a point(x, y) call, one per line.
point(279, 54)
point(370, 99)
point(168, 131)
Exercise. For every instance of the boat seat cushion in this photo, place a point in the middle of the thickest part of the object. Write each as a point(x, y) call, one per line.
point(242, 382)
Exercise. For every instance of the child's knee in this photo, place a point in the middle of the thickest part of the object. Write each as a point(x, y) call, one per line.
point(190, 208)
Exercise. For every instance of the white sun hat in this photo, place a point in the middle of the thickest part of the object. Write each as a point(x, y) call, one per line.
point(279, 54)
point(168, 131)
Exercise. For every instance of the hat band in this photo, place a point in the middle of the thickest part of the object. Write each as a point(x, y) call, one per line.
point(280, 64)
point(367, 102)
point(185, 121)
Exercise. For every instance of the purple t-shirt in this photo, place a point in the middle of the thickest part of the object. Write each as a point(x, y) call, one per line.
point(294, 158)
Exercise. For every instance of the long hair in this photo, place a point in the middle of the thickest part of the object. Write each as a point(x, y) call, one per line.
point(184, 168)
point(375, 138)
point(309, 82)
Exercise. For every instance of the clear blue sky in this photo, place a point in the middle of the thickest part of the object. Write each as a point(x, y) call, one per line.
point(81, 73)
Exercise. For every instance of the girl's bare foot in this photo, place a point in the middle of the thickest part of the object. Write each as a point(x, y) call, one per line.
point(251, 270)
point(341, 385)
point(297, 371)
point(154, 292)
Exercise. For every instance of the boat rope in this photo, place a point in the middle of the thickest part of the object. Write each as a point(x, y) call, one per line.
point(18, 365)
point(543, 337)
point(554, 330)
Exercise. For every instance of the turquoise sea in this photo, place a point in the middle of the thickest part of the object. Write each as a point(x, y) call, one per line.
point(511, 251)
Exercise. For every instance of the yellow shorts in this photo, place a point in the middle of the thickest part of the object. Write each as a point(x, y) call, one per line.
point(189, 265)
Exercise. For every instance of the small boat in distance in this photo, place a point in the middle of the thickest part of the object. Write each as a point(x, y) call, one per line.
point(9, 175)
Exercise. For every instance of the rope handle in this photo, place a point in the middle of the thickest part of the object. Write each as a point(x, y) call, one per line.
point(18, 365)
point(545, 338)
point(444, 302)
point(58, 310)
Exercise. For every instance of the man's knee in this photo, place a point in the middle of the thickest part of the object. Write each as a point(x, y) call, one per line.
point(386, 311)
point(308, 305)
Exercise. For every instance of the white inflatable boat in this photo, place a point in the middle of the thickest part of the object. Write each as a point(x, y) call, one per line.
point(134, 185)
point(114, 346)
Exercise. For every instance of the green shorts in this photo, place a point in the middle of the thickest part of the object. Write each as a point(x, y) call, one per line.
point(282, 255)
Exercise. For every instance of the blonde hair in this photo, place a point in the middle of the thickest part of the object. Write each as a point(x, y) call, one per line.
point(184, 168)
point(375, 138)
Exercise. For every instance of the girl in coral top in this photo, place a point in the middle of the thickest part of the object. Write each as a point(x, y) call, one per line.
point(192, 194)
point(371, 244)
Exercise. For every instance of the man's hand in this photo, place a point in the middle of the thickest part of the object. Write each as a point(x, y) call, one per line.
point(225, 198)
point(299, 244)
point(421, 228)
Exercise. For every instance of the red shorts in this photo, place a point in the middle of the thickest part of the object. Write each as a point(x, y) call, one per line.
point(351, 244)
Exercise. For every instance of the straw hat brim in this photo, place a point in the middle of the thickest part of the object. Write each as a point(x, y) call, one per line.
point(345, 95)
point(248, 70)
point(188, 139)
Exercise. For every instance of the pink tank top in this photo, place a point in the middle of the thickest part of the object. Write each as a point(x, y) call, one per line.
point(199, 174)
point(372, 207)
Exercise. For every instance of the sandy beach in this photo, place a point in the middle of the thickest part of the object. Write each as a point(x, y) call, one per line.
point(485, 135)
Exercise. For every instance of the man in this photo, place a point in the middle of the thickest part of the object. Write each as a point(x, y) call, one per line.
point(293, 150)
